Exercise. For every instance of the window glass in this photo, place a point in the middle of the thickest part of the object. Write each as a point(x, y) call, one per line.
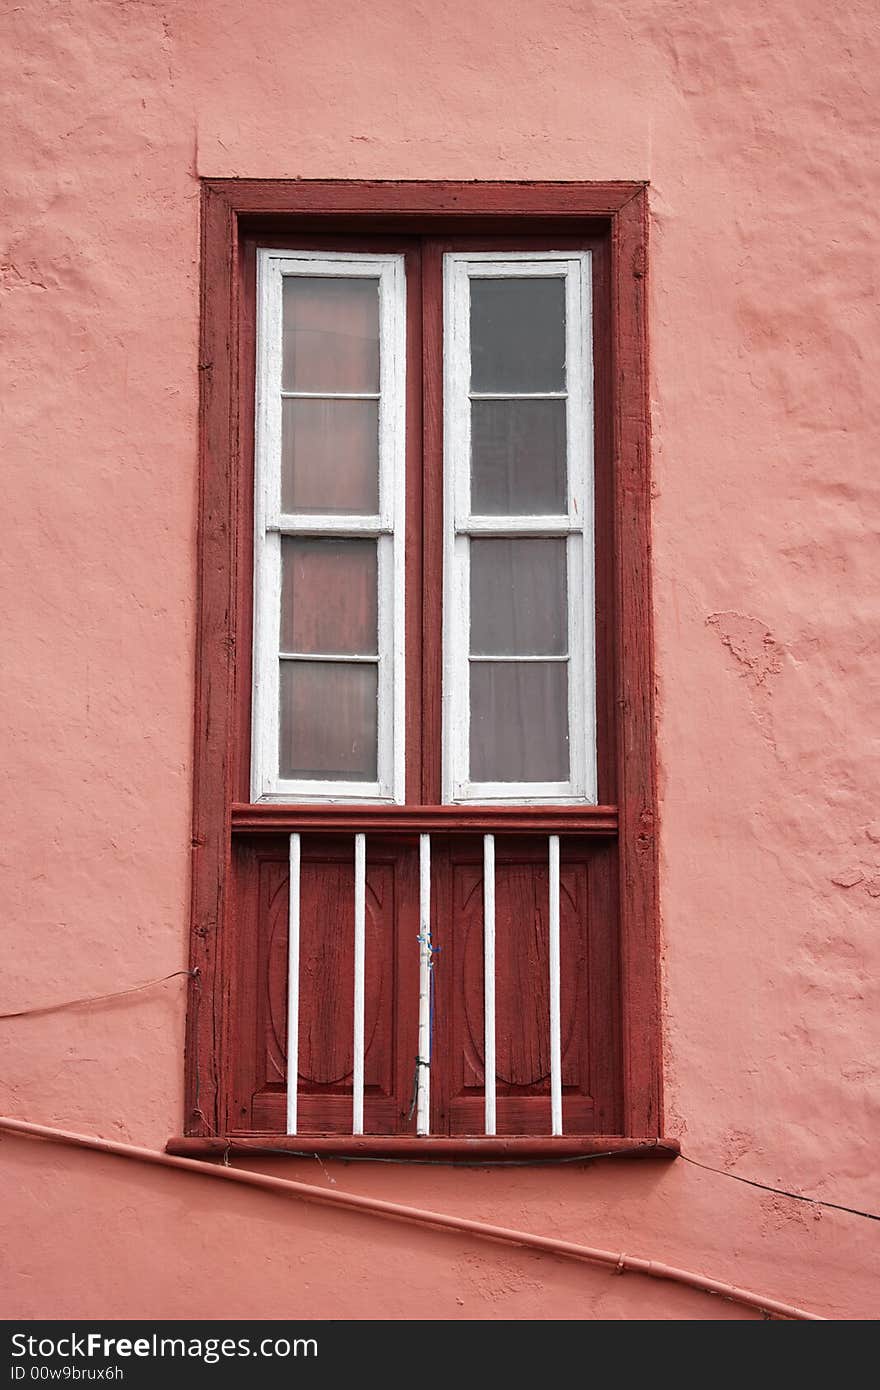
point(518, 597)
point(328, 720)
point(328, 596)
point(329, 456)
point(518, 457)
point(517, 334)
point(519, 725)
point(331, 334)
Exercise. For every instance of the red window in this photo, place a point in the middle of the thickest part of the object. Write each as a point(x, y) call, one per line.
point(424, 887)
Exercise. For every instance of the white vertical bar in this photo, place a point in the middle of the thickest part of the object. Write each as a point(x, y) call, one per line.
point(555, 1029)
point(489, 977)
point(293, 985)
point(360, 898)
point(423, 1081)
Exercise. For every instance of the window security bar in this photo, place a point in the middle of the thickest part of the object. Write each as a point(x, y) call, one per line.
point(426, 965)
point(425, 1010)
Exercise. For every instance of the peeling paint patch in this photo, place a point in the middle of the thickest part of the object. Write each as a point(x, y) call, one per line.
point(494, 1279)
point(864, 876)
point(736, 1144)
point(11, 278)
point(779, 1212)
point(751, 644)
point(847, 878)
point(759, 658)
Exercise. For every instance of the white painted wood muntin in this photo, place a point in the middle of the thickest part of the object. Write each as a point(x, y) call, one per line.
point(518, 657)
point(581, 548)
point(343, 658)
point(343, 526)
point(518, 526)
point(517, 395)
point(334, 793)
point(360, 914)
point(293, 934)
point(577, 525)
point(511, 793)
point(489, 264)
point(425, 1045)
point(330, 395)
point(456, 445)
point(270, 523)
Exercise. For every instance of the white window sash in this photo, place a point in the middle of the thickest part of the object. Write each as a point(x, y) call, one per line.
point(270, 524)
point(577, 525)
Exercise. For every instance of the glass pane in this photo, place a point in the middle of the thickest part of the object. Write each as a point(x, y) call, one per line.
point(518, 458)
point(518, 597)
point(331, 334)
point(330, 457)
point(328, 720)
point(328, 596)
point(518, 334)
point(519, 721)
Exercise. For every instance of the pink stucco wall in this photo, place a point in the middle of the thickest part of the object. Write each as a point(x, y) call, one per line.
point(756, 126)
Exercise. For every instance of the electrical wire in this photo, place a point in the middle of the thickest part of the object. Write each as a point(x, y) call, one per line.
point(780, 1191)
point(274, 1151)
point(269, 1150)
point(96, 998)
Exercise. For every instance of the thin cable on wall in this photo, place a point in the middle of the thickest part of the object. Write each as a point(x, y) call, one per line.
point(97, 998)
point(198, 1112)
point(269, 1149)
point(780, 1191)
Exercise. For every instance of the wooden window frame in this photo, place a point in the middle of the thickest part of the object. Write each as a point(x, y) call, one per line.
point(230, 208)
point(460, 526)
point(388, 528)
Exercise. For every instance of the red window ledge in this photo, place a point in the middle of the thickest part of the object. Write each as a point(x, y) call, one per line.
point(514, 1148)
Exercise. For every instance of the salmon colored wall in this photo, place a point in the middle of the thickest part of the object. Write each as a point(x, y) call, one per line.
point(756, 126)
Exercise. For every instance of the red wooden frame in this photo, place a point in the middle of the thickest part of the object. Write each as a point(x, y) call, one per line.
point(468, 1151)
point(233, 211)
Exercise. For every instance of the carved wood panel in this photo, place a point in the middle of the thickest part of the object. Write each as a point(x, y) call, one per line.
point(589, 986)
point(326, 1011)
point(522, 989)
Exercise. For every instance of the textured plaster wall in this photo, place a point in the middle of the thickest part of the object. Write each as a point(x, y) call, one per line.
point(757, 128)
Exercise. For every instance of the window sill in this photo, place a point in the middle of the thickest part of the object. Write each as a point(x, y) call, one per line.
point(496, 1149)
point(269, 818)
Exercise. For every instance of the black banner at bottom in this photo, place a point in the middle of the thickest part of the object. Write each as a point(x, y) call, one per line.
point(135, 1354)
